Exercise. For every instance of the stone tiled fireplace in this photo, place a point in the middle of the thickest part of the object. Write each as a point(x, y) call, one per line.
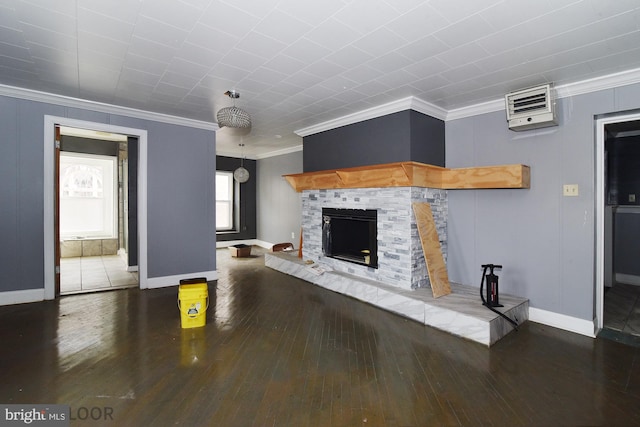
point(400, 258)
point(400, 283)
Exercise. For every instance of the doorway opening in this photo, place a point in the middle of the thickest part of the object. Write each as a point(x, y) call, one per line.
point(137, 193)
point(94, 223)
point(618, 225)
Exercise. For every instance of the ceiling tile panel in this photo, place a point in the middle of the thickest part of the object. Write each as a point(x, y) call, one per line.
point(427, 67)
point(312, 13)
point(284, 64)
point(306, 51)
point(211, 38)
point(404, 6)
point(159, 32)
point(123, 10)
point(333, 34)
point(107, 46)
point(283, 27)
point(464, 54)
point(304, 79)
point(456, 10)
point(198, 55)
point(229, 19)
point(104, 26)
point(268, 76)
point(12, 37)
point(365, 16)
point(187, 68)
point(228, 72)
point(423, 48)
point(16, 52)
point(349, 57)
point(8, 62)
point(389, 62)
point(418, 23)
point(324, 69)
point(179, 80)
point(463, 32)
point(47, 19)
point(175, 13)
point(150, 49)
point(243, 60)
point(260, 45)
point(54, 40)
point(379, 42)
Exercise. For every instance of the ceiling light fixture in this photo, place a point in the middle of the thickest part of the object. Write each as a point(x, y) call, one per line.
point(241, 174)
point(233, 117)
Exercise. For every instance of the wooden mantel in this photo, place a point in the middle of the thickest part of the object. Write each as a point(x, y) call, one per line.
point(413, 174)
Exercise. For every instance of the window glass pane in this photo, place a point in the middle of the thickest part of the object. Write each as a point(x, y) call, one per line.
point(87, 195)
point(224, 201)
point(222, 186)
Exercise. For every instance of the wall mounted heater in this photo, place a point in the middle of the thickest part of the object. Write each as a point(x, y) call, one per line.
point(531, 108)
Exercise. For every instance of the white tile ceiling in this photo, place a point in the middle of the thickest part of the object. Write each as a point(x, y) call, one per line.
point(297, 63)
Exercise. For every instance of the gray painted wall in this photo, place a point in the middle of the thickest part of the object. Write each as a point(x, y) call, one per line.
point(545, 241)
point(398, 137)
point(279, 206)
point(181, 200)
point(247, 215)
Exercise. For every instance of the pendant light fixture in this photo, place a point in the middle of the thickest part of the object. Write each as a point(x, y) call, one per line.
point(233, 117)
point(241, 174)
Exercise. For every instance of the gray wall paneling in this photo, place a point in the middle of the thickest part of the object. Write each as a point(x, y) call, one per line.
point(279, 205)
point(181, 199)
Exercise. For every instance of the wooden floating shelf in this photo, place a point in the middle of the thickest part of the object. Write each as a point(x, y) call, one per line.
point(414, 174)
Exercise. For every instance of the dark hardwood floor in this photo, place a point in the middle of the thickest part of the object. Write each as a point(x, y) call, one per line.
point(277, 351)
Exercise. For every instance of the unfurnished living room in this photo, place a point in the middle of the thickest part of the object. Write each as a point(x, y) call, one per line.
point(294, 213)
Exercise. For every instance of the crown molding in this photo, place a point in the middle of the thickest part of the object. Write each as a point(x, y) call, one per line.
point(595, 84)
point(476, 109)
point(66, 101)
point(610, 81)
point(279, 152)
point(408, 103)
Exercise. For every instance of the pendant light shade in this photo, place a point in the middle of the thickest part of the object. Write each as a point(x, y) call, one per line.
point(241, 174)
point(233, 117)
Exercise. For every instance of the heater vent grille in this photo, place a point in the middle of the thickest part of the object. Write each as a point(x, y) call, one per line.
point(531, 108)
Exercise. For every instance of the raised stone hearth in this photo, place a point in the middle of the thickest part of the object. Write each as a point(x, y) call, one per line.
point(399, 281)
point(460, 313)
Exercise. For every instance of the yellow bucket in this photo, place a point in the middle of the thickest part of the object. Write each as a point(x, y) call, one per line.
point(193, 301)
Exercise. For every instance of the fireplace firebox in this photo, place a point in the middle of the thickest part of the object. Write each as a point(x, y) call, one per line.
point(351, 235)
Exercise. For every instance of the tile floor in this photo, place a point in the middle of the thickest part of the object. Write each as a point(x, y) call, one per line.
point(622, 309)
point(96, 273)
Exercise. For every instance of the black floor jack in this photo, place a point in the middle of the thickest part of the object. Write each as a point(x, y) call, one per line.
point(493, 299)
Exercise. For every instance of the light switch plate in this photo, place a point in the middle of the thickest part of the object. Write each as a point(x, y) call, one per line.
point(570, 190)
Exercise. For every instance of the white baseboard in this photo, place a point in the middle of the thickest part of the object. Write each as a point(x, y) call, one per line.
point(562, 321)
point(21, 297)
point(166, 281)
point(628, 279)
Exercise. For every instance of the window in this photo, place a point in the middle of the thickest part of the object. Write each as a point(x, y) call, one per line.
point(224, 201)
point(87, 195)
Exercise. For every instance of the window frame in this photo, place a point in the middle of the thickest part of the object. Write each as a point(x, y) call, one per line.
point(231, 201)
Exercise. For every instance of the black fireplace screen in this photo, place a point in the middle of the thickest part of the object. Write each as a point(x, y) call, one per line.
point(351, 235)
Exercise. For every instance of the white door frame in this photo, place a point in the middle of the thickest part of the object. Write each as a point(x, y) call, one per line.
point(599, 200)
point(49, 244)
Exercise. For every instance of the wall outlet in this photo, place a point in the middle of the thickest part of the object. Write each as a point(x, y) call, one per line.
point(632, 198)
point(569, 190)
point(293, 235)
